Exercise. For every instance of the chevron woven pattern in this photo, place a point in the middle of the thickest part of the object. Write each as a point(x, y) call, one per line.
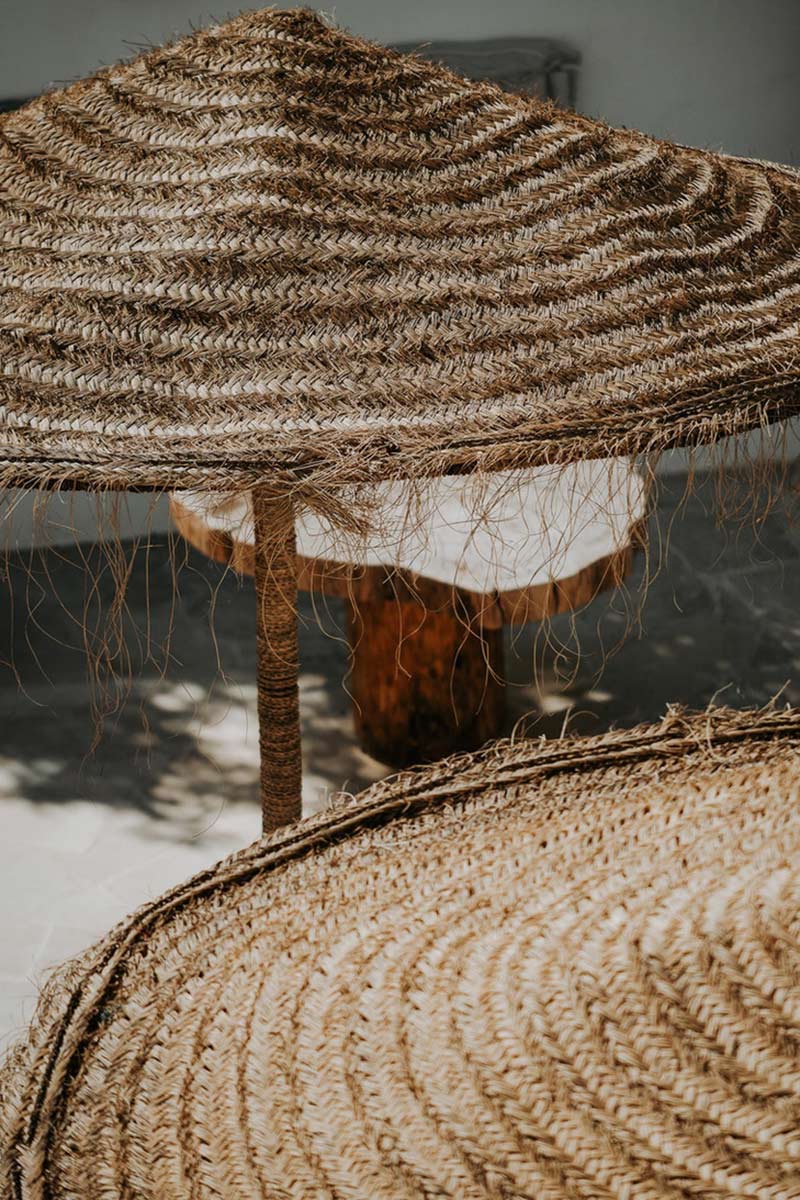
point(273, 249)
point(555, 969)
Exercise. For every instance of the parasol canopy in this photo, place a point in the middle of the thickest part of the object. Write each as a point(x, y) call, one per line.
point(274, 250)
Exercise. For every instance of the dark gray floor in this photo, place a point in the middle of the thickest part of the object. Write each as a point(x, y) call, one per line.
point(719, 620)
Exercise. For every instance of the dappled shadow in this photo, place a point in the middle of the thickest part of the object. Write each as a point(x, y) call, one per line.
point(175, 746)
point(721, 621)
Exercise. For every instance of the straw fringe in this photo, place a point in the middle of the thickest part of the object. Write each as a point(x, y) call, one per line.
point(742, 488)
point(554, 968)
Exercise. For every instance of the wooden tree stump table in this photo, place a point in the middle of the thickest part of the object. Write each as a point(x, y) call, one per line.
point(426, 617)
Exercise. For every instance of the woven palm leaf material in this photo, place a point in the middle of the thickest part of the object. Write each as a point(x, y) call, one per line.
point(555, 969)
point(273, 250)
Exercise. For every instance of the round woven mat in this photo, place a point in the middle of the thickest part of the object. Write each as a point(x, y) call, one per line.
point(561, 969)
point(274, 249)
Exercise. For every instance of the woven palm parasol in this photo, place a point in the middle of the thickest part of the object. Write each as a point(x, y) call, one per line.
point(554, 969)
point(274, 256)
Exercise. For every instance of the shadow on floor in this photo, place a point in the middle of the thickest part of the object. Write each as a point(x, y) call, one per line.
point(719, 621)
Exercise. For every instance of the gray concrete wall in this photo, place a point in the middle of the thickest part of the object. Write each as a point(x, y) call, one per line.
point(717, 73)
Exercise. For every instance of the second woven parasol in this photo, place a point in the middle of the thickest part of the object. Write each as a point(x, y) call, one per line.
point(556, 969)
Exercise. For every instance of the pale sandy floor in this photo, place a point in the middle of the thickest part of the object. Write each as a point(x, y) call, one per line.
point(85, 840)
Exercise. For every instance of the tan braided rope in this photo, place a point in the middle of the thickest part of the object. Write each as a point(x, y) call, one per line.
point(275, 575)
point(554, 969)
point(275, 250)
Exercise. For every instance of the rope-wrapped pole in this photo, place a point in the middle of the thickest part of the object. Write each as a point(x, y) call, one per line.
point(278, 664)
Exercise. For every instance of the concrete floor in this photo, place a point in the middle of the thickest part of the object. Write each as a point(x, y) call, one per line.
point(172, 785)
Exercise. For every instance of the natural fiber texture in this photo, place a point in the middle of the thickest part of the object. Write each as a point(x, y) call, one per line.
point(274, 249)
point(556, 969)
point(278, 661)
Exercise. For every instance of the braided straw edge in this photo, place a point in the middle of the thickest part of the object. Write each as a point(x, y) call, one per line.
point(77, 993)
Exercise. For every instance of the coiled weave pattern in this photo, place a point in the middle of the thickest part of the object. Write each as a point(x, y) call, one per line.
point(273, 248)
point(554, 969)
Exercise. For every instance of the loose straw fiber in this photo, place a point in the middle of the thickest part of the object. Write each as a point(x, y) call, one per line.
point(554, 969)
point(273, 249)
